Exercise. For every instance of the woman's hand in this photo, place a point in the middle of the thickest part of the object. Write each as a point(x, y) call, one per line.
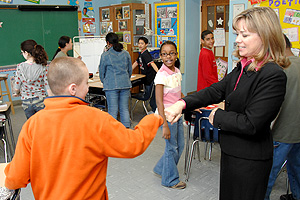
point(166, 132)
point(173, 113)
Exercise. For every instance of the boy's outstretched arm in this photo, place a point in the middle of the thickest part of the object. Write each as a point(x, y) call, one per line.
point(121, 142)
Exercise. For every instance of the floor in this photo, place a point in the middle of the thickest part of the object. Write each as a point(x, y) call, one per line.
point(133, 178)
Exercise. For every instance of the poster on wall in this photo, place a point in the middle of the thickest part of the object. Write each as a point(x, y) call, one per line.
point(123, 25)
point(88, 10)
point(127, 37)
point(126, 12)
point(105, 27)
point(167, 22)
point(105, 14)
point(119, 13)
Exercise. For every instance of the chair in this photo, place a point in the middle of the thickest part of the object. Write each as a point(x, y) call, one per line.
point(204, 132)
point(4, 138)
point(141, 96)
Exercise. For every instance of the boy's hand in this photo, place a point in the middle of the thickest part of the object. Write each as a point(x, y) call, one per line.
point(173, 113)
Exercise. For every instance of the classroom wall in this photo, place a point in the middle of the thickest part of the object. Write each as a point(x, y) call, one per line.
point(192, 45)
point(191, 36)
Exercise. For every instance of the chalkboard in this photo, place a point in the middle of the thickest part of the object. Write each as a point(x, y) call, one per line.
point(45, 26)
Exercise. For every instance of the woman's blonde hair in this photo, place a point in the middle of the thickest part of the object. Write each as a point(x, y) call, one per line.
point(264, 22)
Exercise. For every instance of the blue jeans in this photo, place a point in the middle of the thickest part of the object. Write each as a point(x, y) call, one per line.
point(119, 99)
point(167, 165)
point(148, 89)
point(32, 106)
point(291, 153)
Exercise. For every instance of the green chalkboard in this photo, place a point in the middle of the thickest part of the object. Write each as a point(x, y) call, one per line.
point(45, 27)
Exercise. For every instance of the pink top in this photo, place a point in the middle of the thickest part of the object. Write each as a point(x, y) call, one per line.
point(172, 84)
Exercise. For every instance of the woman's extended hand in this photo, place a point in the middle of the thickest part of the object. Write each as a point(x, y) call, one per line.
point(173, 113)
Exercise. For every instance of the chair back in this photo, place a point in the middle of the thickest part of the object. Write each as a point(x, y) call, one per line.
point(203, 129)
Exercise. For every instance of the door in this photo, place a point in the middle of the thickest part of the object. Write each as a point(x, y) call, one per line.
point(215, 14)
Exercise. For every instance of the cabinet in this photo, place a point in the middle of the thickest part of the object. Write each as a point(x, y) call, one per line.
point(128, 22)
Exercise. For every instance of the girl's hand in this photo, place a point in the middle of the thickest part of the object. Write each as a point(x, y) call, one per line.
point(212, 116)
point(166, 133)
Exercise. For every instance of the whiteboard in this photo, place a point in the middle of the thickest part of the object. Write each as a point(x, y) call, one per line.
point(90, 49)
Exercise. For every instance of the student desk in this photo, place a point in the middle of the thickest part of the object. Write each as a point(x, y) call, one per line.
point(135, 79)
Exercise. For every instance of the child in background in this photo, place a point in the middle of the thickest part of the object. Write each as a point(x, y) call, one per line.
point(115, 72)
point(64, 45)
point(63, 150)
point(148, 68)
point(31, 78)
point(207, 67)
point(168, 91)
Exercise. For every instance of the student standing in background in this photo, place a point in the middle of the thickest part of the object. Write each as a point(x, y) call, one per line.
point(148, 68)
point(286, 131)
point(207, 67)
point(115, 70)
point(64, 45)
point(31, 77)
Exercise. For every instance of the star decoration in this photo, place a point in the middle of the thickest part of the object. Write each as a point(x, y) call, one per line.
point(1, 24)
point(220, 21)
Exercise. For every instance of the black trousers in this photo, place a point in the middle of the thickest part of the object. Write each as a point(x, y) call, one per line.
point(242, 179)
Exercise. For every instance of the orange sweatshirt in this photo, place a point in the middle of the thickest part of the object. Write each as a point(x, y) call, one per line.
point(63, 150)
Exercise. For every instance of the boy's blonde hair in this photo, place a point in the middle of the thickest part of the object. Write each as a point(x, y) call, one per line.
point(63, 72)
point(264, 22)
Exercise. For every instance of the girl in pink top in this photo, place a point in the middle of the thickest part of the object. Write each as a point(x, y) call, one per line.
point(167, 92)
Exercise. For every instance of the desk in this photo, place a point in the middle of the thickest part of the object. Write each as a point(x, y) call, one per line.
point(96, 86)
point(135, 79)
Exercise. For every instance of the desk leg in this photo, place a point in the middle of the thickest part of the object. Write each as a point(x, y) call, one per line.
point(7, 149)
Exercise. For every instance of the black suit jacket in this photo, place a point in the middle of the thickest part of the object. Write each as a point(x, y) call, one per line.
point(249, 110)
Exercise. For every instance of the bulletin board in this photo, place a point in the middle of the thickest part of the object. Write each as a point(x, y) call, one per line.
point(289, 16)
point(167, 22)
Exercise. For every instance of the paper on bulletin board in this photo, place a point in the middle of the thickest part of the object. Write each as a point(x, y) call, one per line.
point(219, 35)
point(295, 51)
point(292, 34)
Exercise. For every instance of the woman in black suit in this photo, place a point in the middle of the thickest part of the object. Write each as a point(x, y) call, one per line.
point(253, 93)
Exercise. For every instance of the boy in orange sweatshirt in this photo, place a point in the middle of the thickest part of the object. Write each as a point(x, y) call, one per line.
point(63, 150)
